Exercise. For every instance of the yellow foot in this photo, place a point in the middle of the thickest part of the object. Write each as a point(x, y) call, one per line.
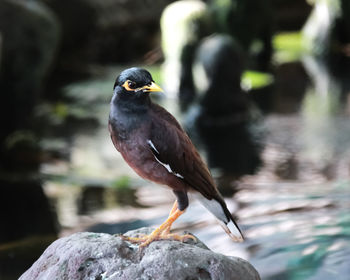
point(178, 237)
point(145, 240)
point(162, 232)
point(140, 239)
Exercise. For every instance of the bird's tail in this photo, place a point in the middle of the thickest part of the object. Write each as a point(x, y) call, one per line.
point(219, 209)
point(232, 229)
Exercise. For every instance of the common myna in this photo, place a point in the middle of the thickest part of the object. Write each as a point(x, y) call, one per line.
point(154, 144)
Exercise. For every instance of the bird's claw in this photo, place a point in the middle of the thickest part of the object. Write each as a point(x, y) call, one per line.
point(141, 238)
point(145, 240)
point(178, 237)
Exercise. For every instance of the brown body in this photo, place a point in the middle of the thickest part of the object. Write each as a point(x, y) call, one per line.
point(174, 148)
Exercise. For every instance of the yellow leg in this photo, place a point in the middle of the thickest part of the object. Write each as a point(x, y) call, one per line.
point(167, 230)
point(173, 209)
point(162, 232)
point(158, 231)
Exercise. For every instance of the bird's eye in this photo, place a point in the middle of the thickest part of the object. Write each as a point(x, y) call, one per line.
point(131, 84)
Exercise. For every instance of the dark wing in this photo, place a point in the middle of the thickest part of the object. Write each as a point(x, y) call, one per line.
point(171, 146)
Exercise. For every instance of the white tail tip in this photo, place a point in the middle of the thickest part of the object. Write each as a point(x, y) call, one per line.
point(231, 229)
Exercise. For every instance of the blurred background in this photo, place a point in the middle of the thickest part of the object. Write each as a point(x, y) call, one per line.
point(261, 86)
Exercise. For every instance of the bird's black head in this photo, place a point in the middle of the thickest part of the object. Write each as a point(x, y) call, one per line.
point(131, 96)
point(135, 81)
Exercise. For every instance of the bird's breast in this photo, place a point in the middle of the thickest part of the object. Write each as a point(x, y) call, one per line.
point(124, 124)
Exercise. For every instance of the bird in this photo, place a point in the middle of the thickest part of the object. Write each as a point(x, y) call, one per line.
point(153, 143)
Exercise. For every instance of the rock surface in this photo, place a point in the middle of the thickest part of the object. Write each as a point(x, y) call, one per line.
point(88, 255)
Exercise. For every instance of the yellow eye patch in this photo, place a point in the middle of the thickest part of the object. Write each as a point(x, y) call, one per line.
point(131, 86)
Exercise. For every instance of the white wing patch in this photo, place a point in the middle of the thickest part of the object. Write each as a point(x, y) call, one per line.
point(167, 166)
point(152, 145)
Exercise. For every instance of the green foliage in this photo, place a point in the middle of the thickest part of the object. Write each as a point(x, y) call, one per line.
point(123, 182)
point(221, 11)
point(254, 79)
point(291, 41)
point(156, 73)
point(21, 138)
point(60, 110)
point(288, 47)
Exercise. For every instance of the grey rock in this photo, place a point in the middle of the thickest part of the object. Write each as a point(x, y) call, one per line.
point(102, 256)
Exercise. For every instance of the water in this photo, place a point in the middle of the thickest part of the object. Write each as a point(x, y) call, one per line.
point(292, 205)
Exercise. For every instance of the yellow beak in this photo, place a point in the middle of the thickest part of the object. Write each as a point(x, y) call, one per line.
point(151, 88)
